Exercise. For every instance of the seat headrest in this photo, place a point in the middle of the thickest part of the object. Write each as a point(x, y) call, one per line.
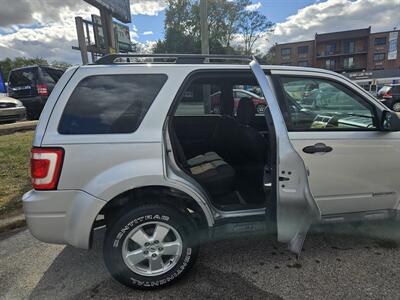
point(246, 111)
point(227, 102)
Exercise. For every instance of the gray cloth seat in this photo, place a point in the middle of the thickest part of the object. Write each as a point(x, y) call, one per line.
point(214, 174)
point(203, 158)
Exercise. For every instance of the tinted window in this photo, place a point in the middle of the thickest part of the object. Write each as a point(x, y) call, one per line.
point(110, 103)
point(321, 104)
point(50, 75)
point(23, 77)
point(379, 56)
point(302, 50)
point(286, 51)
point(380, 41)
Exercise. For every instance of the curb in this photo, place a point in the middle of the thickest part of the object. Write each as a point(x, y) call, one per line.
point(15, 127)
point(11, 223)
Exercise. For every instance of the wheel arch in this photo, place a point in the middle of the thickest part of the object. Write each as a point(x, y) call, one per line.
point(174, 197)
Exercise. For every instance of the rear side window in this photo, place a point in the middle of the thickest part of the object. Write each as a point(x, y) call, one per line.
point(23, 77)
point(51, 76)
point(108, 104)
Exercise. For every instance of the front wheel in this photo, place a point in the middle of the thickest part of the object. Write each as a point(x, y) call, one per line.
point(150, 246)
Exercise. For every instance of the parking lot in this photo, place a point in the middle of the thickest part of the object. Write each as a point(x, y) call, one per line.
point(340, 262)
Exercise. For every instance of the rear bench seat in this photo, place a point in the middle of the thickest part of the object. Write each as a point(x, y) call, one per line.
point(213, 173)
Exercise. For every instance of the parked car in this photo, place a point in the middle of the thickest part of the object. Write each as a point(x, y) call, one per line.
point(33, 85)
point(11, 110)
point(390, 96)
point(259, 102)
point(163, 180)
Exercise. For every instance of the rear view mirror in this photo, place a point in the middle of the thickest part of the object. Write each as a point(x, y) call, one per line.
point(390, 121)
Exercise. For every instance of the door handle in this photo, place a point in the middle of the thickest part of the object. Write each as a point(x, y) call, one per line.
point(318, 147)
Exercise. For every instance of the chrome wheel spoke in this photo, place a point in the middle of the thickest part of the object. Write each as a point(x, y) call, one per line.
point(140, 237)
point(147, 259)
point(171, 248)
point(135, 257)
point(156, 264)
point(160, 232)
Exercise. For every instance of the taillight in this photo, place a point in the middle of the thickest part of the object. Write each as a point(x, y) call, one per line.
point(46, 167)
point(387, 95)
point(42, 90)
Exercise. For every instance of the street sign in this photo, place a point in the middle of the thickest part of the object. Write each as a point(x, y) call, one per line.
point(119, 9)
point(122, 36)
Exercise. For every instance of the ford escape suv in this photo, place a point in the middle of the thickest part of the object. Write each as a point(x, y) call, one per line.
point(131, 143)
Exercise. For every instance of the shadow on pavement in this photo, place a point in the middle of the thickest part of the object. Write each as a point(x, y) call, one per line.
point(225, 269)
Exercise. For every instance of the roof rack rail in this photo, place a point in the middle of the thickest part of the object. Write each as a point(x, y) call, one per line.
point(112, 59)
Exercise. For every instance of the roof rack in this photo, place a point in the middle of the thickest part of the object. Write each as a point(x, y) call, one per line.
point(112, 59)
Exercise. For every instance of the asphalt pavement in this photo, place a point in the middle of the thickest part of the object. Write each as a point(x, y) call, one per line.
point(340, 262)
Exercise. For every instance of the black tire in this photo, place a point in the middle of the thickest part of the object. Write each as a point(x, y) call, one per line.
point(396, 107)
point(118, 231)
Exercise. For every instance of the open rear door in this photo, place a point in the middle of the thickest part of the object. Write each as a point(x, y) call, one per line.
point(296, 207)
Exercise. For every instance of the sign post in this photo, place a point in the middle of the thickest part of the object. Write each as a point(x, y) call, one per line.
point(120, 10)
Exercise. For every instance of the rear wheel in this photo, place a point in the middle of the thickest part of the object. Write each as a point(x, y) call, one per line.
point(396, 107)
point(150, 246)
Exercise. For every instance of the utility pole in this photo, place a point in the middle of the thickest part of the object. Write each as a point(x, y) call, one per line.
point(108, 30)
point(205, 48)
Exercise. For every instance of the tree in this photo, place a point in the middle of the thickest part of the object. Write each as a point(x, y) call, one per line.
point(253, 25)
point(229, 23)
point(8, 64)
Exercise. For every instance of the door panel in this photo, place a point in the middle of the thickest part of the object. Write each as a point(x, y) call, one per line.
point(296, 208)
point(359, 174)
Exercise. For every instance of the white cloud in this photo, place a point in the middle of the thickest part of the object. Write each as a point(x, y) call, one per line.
point(254, 7)
point(148, 33)
point(334, 15)
point(147, 7)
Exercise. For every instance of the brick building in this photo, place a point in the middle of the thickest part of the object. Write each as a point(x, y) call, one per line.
point(370, 58)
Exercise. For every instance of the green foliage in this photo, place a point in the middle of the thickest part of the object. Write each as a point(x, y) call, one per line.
point(226, 21)
point(8, 64)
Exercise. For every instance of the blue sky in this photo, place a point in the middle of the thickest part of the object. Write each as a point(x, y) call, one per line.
point(276, 10)
point(46, 28)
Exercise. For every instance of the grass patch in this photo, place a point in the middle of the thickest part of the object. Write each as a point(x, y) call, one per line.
point(14, 170)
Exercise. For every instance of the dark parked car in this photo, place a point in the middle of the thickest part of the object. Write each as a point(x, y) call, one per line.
point(32, 86)
point(390, 96)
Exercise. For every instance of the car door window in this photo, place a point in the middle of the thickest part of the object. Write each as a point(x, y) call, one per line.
point(320, 104)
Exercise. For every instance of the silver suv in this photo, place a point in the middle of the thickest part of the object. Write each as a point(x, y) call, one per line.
point(132, 143)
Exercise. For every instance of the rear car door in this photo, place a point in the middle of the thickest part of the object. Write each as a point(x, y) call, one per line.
point(296, 208)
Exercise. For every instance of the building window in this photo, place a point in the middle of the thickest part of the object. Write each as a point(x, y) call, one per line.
point(379, 57)
point(302, 51)
point(380, 41)
point(348, 62)
point(330, 64)
point(330, 48)
point(303, 63)
point(349, 47)
point(286, 52)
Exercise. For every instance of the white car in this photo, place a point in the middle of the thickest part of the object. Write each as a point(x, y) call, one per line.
point(11, 110)
point(131, 143)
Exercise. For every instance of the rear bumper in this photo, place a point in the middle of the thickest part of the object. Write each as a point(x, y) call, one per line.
point(34, 103)
point(61, 217)
point(12, 114)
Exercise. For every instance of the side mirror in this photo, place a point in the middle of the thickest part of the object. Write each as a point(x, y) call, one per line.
point(390, 121)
